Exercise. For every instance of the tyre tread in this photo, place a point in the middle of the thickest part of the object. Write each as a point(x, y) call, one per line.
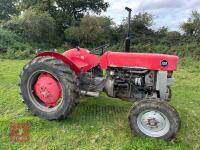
point(67, 75)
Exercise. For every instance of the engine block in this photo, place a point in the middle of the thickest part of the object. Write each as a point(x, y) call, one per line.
point(131, 83)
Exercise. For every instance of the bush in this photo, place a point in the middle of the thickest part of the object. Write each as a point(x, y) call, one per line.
point(191, 49)
point(34, 27)
point(117, 48)
point(9, 40)
point(18, 54)
point(92, 31)
point(12, 46)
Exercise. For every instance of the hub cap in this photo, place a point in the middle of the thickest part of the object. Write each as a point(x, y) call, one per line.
point(153, 123)
point(48, 89)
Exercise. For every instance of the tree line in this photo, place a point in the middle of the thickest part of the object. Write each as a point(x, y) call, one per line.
point(29, 24)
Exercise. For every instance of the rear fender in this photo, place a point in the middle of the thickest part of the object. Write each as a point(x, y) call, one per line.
point(66, 60)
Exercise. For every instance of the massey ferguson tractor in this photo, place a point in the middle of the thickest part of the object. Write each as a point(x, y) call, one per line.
point(51, 84)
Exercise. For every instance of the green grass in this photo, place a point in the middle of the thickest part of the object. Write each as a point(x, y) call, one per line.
point(99, 123)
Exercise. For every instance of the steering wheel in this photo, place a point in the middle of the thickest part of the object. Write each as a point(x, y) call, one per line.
point(103, 49)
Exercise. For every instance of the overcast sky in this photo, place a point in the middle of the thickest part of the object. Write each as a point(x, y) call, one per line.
point(169, 13)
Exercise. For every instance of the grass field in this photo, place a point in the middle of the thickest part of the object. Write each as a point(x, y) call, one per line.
point(99, 123)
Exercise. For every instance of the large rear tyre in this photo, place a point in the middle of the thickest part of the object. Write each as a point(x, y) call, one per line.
point(154, 118)
point(50, 100)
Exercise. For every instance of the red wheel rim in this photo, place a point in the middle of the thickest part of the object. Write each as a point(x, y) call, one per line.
point(48, 89)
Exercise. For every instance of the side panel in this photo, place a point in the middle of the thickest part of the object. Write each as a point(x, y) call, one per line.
point(72, 65)
point(161, 84)
point(139, 60)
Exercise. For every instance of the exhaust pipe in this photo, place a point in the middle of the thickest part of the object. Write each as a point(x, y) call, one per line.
point(128, 39)
point(88, 93)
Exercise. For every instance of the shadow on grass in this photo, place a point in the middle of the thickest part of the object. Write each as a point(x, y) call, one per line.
point(90, 111)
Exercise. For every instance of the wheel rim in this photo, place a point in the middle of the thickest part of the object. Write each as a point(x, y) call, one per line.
point(33, 96)
point(153, 123)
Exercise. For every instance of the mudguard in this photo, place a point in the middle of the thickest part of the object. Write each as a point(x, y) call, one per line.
point(79, 60)
point(83, 58)
point(66, 60)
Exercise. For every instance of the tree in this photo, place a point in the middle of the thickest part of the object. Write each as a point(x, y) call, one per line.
point(144, 19)
point(140, 28)
point(162, 32)
point(7, 9)
point(66, 11)
point(92, 31)
point(77, 8)
point(168, 38)
point(34, 26)
point(72, 7)
point(172, 38)
point(192, 26)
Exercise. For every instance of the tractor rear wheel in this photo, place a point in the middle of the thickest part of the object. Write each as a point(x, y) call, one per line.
point(48, 88)
point(154, 118)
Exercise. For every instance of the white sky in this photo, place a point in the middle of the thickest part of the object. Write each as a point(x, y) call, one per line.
point(168, 13)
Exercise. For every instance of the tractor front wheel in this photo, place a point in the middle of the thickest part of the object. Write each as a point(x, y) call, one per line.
point(154, 118)
point(48, 88)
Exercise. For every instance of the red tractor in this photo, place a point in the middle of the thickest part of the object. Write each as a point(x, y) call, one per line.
point(51, 83)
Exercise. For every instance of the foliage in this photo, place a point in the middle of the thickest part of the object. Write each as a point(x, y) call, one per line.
point(171, 38)
point(75, 8)
point(7, 9)
point(92, 31)
point(48, 24)
point(9, 40)
point(144, 19)
point(192, 26)
point(65, 12)
point(140, 31)
point(34, 26)
point(18, 54)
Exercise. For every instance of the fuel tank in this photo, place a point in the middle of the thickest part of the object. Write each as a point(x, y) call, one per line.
point(139, 60)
